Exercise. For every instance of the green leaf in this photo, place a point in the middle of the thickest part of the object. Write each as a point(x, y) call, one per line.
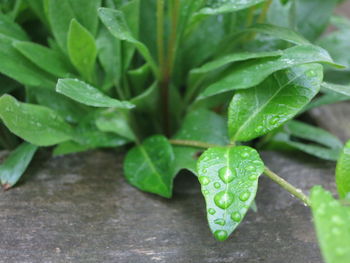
point(313, 16)
point(14, 166)
point(82, 50)
point(149, 166)
point(16, 66)
point(342, 174)
point(216, 7)
point(115, 22)
point(199, 125)
point(69, 147)
point(311, 133)
point(229, 180)
point(147, 100)
point(239, 77)
point(259, 110)
point(332, 226)
point(11, 29)
point(86, 94)
point(339, 89)
point(36, 124)
point(47, 59)
point(279, 32)
point(117, 122)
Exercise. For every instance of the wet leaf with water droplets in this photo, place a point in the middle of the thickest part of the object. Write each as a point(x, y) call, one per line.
point(150, 166)
point(343, 172)
point(86, 94)
point(232, 180)
point(332, 226)
point(257, 111)
point(36, 124)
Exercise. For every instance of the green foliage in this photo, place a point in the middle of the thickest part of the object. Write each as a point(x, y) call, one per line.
point(343, 172)
point(170, 79)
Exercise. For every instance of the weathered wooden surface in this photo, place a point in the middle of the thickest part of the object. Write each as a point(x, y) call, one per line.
point(80, 209)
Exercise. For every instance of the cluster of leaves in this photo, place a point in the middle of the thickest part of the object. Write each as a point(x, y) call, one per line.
point(173, 77)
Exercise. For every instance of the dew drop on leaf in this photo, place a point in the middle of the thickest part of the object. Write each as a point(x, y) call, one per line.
point(259, 129)
point(227, 175)
point(220, 235)
point(236, 216)
point(220, 221)
point(244, 196)
point(204, 180)
point(223, 199)
point(217, 185)
point(211, 211)
point(274, 120)
point(245, 155)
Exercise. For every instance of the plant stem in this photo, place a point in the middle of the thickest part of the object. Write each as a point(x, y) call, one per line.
point(274, 177)
point(196, 144)
point(287, 186)
point(160, 33)
point(263, 14)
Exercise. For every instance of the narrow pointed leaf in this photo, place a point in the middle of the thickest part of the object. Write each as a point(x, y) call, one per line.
point(339, 89)
point(14, 166)
point(115, 22)
point(82, 50)
point(11, 29)
point(47, 59)
point(342, 174)
point(229, 181)
point(332, 225)
point(149, 166)
point(240, 77)
point(256, 111)
point(216, 7)
point(86, 94)
point(36, 124)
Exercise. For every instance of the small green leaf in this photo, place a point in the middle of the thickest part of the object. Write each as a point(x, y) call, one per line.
point(116, 122)
point(86, 94)
point(14, 166)
point(229, 180)
point(256, 111)
point(11, 29)
point(342, 174)
point(82, 50)
point(115, 22)
point(332, 225)
point(47, 59)
point(149, 166)
point(339, 89)
point(240, 77)
point(36, 124)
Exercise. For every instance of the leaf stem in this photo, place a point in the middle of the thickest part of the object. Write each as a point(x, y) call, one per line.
point(287, 186)
point(196, 144)
point(160, 33)
point(274, 177)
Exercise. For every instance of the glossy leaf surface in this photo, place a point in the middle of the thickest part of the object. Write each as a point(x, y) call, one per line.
point(16, 163)
point(256, 111)
point(331, 220)
point(149, 166)
point(342, 174)
point(229, 181)
point(86, 94)
point(36, 124)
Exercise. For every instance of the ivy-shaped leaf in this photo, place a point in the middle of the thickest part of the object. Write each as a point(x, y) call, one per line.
point(343, 172)
point(332, 226)
point(256, 111)
point(229, 180)
point(149, 166)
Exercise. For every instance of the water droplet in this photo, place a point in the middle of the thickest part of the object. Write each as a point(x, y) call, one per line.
point(223, 199)
point(205, 192)
point(274, 120)
point(220, 221)
point(259, 129)
point(244, 196)
point(337, 220)
point(220, 235)
point(204, 170)
point(236, 216)
point(253, 177)
point(250, 168)
point(217, 185)
point(226, 175)
point(310, 73)
point(204, 180)
point(245, 155)
point(211, 211)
